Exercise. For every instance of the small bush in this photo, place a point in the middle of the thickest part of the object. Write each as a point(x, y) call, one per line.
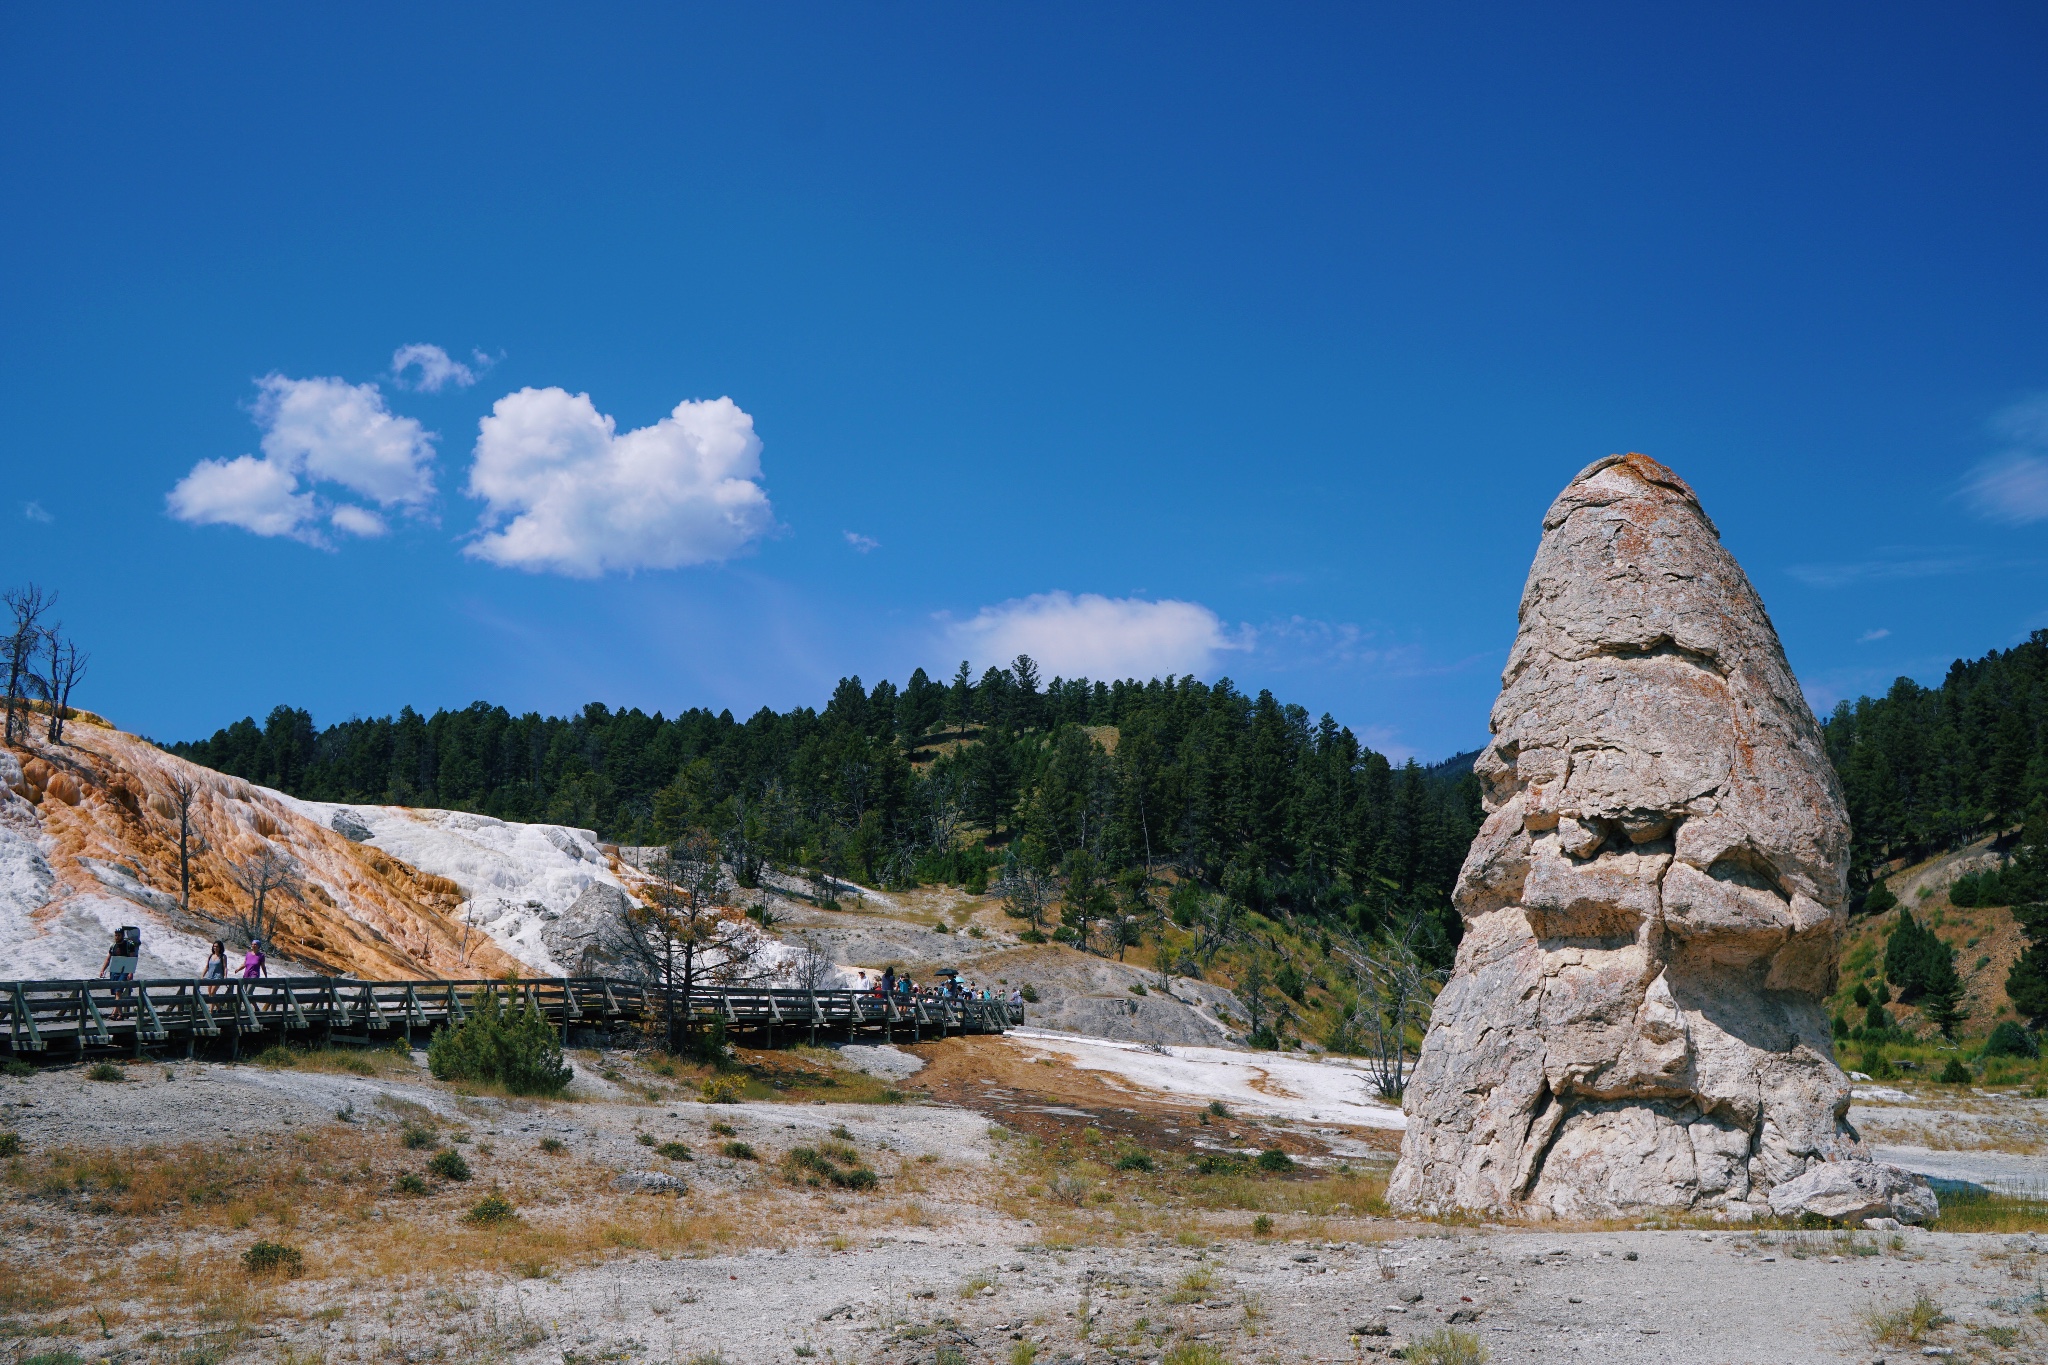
point(724, 1090)
point(449, 1165)
point(738, 1151)
point(834, 1164)
point(1134, 1161)
point(10, 1144)
point(275, 1056)
point(498, 1045)
point(1273, 1159)
point(842, 1132)
point(105, 1071)
point(1216, 1108)
point(2011, 1040)
point(1906, 1326)
point(1262, 1226)
point(724, 1129)
point(1955, 1073)
point(490, 1211)
point(415, 1136)
point(553, 1146)
point(1448, 1346)
point(1194, 1353)
point(644, 1139)
point(1219, 1163)
point(274, 1260)
point(14, 1066)
point(675, 1151)
point(1194, 1286)
point(1028, 991)
point(409, 1184)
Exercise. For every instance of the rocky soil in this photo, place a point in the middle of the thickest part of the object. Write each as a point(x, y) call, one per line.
point(955, 1254)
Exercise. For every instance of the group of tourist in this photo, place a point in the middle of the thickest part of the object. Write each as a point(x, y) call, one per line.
point(891, 985)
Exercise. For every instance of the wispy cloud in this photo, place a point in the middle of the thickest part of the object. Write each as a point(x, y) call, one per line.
point(1867, 636)
point(35, 511)
point(2012, 486)
point(430, 369)
point(1885, 567)
point(861, 544)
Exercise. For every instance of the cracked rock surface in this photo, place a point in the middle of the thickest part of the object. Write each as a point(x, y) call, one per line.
point(1651, 907)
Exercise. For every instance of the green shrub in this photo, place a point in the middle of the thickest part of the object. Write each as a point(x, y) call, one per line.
point(14, 1066)
point(1134, 1160)
point(834, 1164)
point(1955, 1073)
point(449, 1165)
point(498, 1045)
point(275, 1056)
point(553, 1146)
point(724, 1129)
point(105, 1071)
point(416, 1135)
point(409, 1184)
point(1216, 1108)
point(1262, 1226)
point(1273, 1159)
point(490, 1211)
point(738, 1151)
point(675, 1151)
point(274, 1260)
point(1219, 1163)
point(2011, 1040)
point(10, 1144)
point(1028, 991)
point(1194, 1353)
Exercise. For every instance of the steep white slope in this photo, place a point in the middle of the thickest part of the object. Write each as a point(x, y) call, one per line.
point(517, 880)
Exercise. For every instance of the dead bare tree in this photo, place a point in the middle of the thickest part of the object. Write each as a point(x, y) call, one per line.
point(1394, 1000)
point(21, 646)
point(682, 936)
point(266, 871)
point(1027, 892)
point(191, 843)
point(65, 666)
point(809, 969)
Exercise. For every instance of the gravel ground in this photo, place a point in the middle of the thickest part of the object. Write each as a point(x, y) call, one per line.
point(1665, 1297)
point(895, 1294)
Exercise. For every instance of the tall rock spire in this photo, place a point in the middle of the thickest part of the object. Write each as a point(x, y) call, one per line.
point(1651, 907)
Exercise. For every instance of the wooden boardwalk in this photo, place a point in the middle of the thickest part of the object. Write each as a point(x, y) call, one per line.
point(58, 1020)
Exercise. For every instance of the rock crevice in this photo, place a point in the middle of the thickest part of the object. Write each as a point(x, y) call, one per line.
point(1651, 906)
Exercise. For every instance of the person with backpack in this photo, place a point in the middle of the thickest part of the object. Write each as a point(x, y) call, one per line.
point(120, 965)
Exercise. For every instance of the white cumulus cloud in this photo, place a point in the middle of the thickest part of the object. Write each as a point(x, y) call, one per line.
point(861, 544)
point(256, 495)
point(437, 369)
point(565, 493)
point(2012, 486)
point(315, 431)
point(1092, 636)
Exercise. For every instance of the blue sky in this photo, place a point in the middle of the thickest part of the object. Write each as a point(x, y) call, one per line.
point(1247, 341)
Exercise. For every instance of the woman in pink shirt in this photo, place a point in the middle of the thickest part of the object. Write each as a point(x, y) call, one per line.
point(253, 960)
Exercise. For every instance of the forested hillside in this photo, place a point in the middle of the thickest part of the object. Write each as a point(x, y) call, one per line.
point(939, 782)
point(1930, 768)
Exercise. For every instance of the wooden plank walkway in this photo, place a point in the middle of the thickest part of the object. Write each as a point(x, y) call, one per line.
point(56, 1020)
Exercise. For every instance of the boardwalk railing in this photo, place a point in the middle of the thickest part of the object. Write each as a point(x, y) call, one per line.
point(59, 1017)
